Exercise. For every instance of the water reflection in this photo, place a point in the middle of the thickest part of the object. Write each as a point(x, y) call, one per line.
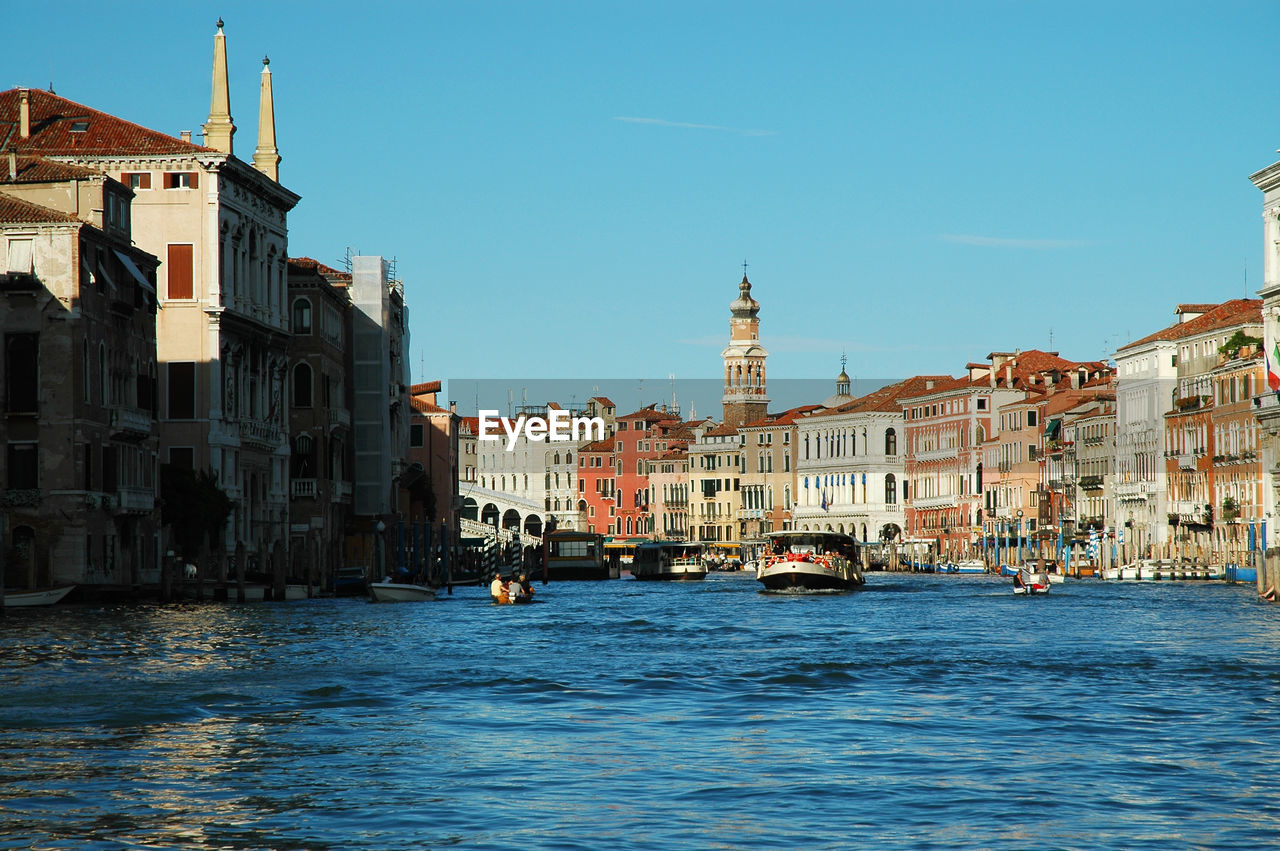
point(660, 716)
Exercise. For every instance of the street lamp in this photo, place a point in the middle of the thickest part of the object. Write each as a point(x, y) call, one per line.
point(1019, 536)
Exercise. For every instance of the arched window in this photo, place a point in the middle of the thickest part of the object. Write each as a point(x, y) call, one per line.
point(890, 490)
point(302, 315)
point(302, 386)
point(890, 442)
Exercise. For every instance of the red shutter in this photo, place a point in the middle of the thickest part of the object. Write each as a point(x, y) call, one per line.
point(179, 269)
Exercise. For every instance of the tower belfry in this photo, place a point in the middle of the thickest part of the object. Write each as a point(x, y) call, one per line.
point(744, 398)
point(219, 129)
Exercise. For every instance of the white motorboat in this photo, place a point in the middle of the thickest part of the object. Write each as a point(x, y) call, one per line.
point(810, 561)
point(968, 566)
point(669, 560)
point(400, 592)
point(36, 596)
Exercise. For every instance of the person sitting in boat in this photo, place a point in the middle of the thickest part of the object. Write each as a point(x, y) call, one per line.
point(1023, 577)
point(522, 587)
point(498, 589)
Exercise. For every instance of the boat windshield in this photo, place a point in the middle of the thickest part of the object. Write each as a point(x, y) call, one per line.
point(813, 545)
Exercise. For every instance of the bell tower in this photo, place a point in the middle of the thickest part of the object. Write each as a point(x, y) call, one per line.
point(744, 397)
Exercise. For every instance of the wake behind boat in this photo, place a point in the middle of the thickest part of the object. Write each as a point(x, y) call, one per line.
point(810, 561)
point(669, 560)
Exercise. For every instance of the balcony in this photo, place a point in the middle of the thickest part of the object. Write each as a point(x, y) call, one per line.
point(134, 500)
point(339, 417)
point(1135, 490)
point(303, 488)
point(342, 491)
point(131, 423)
point(1091, 483)
point(930, 502)
point(1186, 461)
point(937, 455)
point(261, 435)
point(1267, 409)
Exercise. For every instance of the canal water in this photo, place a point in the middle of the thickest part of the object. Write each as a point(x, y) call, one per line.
point(922, 711)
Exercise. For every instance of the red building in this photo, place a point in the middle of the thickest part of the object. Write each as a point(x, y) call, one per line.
point(597, 502)
point(641, 439)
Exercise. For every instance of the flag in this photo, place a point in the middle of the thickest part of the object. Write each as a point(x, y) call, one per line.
point(824, 499)
point(1273, 363)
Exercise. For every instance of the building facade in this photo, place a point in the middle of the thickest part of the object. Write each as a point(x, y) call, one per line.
point(78, 374)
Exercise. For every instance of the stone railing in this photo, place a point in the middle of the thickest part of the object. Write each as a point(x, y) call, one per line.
point(261, 435)
point(128, 420)
point(135, 500)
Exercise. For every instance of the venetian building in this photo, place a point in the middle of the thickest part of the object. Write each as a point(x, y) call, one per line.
point(78, 473)
point(220, 228)
point(1267, 404)
point(745, 399)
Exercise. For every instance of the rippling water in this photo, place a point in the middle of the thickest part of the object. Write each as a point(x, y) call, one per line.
point(920, 712)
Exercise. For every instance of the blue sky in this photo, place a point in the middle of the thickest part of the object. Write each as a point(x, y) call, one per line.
point(570, 188)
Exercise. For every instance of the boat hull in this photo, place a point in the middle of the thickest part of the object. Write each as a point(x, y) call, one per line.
point(1031, 590)
point(38, 597)
point(807, 576)
point(400, 592)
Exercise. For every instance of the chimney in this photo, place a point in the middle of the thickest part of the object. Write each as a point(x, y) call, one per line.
point(453, 407)
point(13, 165)
point(186, 135)
point(24, 113)
point(1008, 375)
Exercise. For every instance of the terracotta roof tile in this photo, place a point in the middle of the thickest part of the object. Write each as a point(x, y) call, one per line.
point(425, 387)
point(426, 407)
point(18, 212)
point(55, 129)
point(1237, 311)
point(886, 398)
point(31, 169)
point(605, 445)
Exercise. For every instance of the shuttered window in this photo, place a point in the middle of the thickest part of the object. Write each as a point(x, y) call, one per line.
point(179, 270)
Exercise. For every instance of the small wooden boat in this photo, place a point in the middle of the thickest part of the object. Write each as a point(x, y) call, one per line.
point(36, 596)
point(400, 592)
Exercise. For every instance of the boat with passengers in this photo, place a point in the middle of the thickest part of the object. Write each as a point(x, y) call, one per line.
point(669, 560)
point(810, 561)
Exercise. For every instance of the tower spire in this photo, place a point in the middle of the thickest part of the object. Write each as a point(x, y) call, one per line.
point(266, 158)
point(219, 129)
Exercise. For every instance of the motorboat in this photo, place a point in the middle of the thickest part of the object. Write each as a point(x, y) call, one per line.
point(810, 561)
point(400, 592)
point(1026, 582)
point(967, 566)
point(669, 560)
point(36, 596)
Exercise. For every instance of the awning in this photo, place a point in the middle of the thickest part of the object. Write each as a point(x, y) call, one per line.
point(1051, 429)
point(133, 269)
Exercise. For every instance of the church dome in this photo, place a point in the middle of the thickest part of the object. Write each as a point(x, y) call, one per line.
point(744, 306)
